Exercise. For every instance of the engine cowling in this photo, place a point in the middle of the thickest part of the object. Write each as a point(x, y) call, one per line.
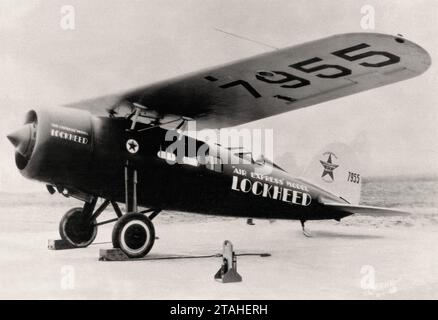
point(54, 146)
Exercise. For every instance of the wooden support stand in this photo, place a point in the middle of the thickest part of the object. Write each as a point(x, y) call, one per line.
point(59, 245)
point(113, 254)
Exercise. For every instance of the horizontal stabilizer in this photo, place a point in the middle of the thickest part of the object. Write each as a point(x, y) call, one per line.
point(366, 210)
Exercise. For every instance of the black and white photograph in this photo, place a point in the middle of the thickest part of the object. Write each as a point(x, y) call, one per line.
point(218, 150)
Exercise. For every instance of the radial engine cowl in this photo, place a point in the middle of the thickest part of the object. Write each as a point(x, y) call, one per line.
point(54, 145)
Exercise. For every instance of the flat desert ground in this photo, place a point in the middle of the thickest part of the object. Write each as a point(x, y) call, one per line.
point(357, 258)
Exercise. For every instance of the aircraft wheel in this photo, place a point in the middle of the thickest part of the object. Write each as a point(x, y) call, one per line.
point(134, 234)
point(77, 229)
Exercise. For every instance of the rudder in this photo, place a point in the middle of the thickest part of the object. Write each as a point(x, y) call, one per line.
point(336, 169)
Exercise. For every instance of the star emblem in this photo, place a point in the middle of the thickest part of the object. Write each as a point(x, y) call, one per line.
point(132, 146)
point(329, 167)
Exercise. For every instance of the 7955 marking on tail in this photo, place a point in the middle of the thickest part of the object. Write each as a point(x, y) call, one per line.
point(353, 177)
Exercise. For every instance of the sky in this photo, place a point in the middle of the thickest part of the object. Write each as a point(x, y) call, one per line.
point(118, 45)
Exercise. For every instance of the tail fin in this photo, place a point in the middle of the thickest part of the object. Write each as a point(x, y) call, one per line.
point(335, 169)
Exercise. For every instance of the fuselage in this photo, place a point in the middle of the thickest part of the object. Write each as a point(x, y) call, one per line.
point(89, 157)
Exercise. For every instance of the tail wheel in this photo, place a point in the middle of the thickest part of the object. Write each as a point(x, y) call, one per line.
point(77, 229)
point(134, 234)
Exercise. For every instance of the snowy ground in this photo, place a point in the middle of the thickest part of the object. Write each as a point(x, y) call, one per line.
point(360, 258)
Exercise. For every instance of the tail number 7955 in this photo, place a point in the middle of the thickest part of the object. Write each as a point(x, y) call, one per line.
point(353, 177)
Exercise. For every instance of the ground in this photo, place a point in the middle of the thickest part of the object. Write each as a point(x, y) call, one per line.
point(359, 257)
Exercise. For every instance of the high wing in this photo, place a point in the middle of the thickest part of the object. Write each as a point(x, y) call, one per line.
point(278, 81)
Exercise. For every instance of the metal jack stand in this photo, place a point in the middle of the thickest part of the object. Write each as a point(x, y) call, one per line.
point(228, 271)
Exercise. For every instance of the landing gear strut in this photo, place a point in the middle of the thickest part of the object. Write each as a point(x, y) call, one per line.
point(133, 232)
point(306, 232)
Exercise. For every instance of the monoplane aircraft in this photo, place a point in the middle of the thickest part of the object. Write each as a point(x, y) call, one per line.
point(117, 147)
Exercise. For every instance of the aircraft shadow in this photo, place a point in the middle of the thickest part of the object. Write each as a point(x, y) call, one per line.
point(330, 234)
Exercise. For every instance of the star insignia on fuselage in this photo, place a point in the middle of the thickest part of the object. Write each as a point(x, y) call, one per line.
point(132, 146)
point(329, 167)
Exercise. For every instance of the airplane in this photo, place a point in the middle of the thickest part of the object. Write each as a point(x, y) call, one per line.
point(116, 147)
